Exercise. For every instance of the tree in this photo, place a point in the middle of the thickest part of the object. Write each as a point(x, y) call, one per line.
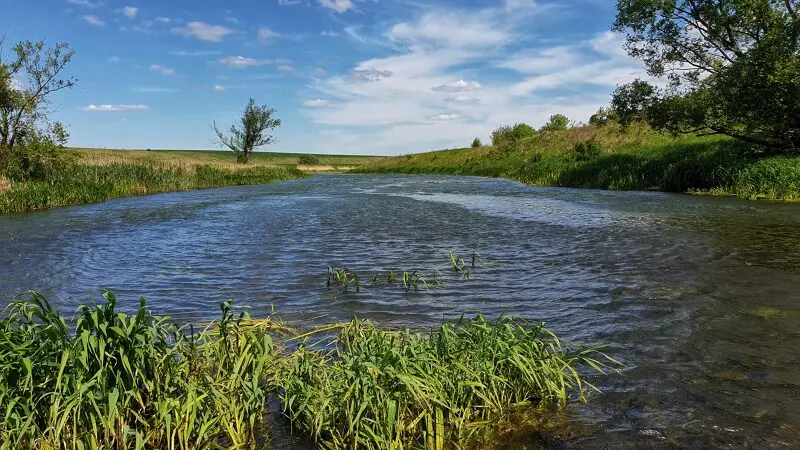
point(29, 76)
point(508, 134)
point(309, 160)
point(733, 66)
point(631, 102)
point(253, 131)
point(602, 117)
point(557, 122)
point(476, 143)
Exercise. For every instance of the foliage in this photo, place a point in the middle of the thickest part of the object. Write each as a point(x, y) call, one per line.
point(125, 382)
point(587, 150)
point(631, 102)
point(733, 67)
point(400, 389)
point(29, 77)
point(309, 160)
point(509, 135)
point(603, 116)
point(557, 122)
point(476, 143)
point(254, 131)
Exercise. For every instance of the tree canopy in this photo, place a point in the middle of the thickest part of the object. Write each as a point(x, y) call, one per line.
point(733, 66)
point(253, 131)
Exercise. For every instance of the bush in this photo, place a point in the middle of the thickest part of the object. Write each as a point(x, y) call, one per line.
point(308, 160)
point(508, 134)
point(587, 150)
point(557, 122)
point(38, 157)
point(476, 143)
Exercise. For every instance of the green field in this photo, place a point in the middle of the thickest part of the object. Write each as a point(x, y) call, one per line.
point(632, 159)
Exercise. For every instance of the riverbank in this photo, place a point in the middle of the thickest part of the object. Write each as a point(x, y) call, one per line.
point(98, 175)
point(613, 158)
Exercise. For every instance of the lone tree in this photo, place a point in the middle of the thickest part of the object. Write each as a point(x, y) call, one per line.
point(733, 66)
point(29, 76)
point(253, 131)
point(476, 143)
point(557, 122)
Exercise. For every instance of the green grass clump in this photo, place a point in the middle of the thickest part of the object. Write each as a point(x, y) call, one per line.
point(611, 157)
point(400, 389)
point(129, 382)
point(80, 184)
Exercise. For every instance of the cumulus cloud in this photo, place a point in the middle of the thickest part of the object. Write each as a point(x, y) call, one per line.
point(457, 86)
point(338, 6)
point(93, 20)
point(161, 69)
point(130, 12)
point(371, 74)
point(203, 31)
point(240, 62)
point(116, 108)
point(218, 88)
point(265, 35)
point(317, 103)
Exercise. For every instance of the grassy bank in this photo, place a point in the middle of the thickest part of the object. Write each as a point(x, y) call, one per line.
point(636, 159)
point(106, 379)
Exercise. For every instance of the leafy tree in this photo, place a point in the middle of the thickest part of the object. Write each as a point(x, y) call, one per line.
point(509, 134)
point(733, 65)
point(557, 122)
point(630, 102)
point(29, 76)
point(476, 143)
point(254, 131)
point(602, 117)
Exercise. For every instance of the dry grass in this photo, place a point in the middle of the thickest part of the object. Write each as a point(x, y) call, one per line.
point(5, 184)
point(324, 168)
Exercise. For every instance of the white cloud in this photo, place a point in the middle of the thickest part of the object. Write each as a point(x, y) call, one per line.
point(199, 53)
point(155, 90)
point(218, 88)
point(16, 84)
point(339, 6)
point(114, 59)
point(289, 2)
point(163, 20)
point(161, 69)
point(93, 20)
point(116, 108)
point(240, 62)
point(462, 99)
point(84, 3)
point(371, 74)
point(328, 33)
point(457, 86)
point(440, 117)
point(130, 12)
point(286, 68)
point(265, 35)
point(232, 20)
point(319, 72)
point(316, 103)
point(203, 31)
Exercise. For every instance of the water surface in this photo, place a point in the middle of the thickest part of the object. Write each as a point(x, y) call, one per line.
point(698, 296)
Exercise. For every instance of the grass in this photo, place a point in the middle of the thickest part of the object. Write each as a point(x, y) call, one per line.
point(107, 379)
point(634, 159)
point(81, 183)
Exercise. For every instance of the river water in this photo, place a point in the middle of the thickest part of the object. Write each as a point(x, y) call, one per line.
point(699, 297)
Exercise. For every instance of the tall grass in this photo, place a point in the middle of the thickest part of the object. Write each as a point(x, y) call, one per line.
point(79, 183)
point(613, 158)
point(400, 389)
point(128, 382)
point(107, 379)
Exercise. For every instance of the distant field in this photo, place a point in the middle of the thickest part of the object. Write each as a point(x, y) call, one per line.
point(197, 157)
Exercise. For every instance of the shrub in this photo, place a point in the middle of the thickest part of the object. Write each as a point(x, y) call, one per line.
point(557, 122)
point(587, 150)
point(508, 134)
point(309, 160)
point(476, 143)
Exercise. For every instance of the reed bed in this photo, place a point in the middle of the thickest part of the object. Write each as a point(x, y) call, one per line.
point(111, 380)
point(80, 184)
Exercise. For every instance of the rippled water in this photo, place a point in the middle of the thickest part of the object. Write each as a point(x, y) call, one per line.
point(699, 297)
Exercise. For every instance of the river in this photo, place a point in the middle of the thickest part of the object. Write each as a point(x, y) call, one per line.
point(699, 297)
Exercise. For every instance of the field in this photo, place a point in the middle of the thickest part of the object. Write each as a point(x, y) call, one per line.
point(613, 158)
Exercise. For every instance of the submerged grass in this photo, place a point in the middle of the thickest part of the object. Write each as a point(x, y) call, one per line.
point(81, 183)
point(632, 159)
point(106, 379)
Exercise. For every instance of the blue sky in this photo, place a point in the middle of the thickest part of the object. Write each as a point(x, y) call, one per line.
point(346, 76)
